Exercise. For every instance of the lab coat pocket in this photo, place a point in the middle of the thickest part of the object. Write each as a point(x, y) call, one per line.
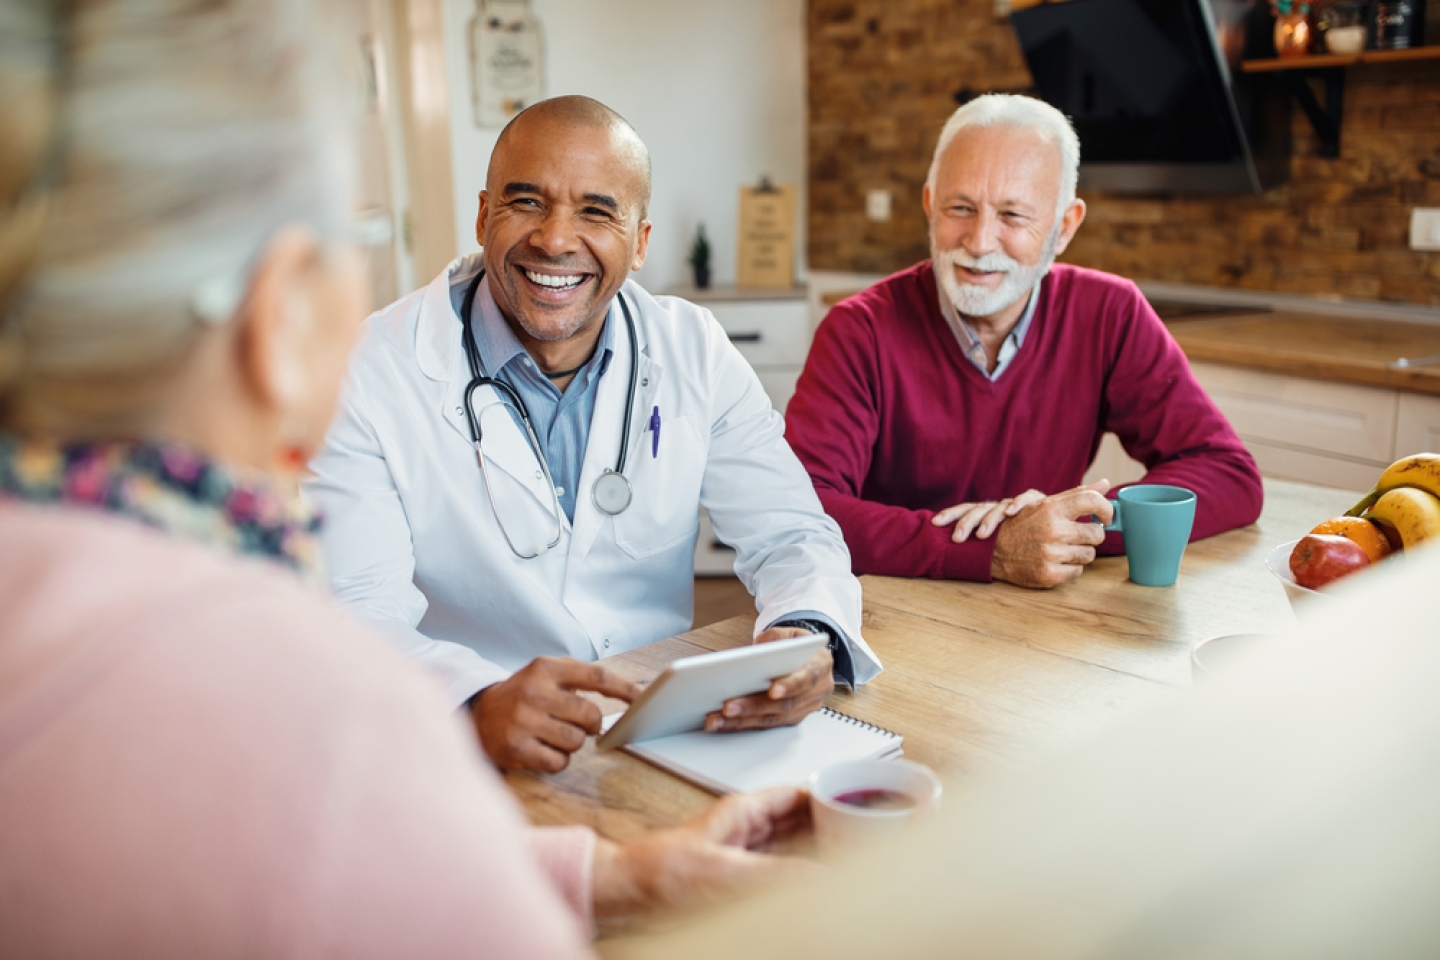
point(666, 481)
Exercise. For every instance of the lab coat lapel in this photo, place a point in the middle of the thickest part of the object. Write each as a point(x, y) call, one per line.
point(441, 357)
point(603, 446)
point(507, 446)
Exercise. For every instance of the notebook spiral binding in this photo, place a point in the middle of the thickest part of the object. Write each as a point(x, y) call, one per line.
point(859, 723)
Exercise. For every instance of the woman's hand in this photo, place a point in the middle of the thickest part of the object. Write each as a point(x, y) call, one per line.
point(718, 854)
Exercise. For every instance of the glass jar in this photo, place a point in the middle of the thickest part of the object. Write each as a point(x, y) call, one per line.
point(1293, 30)
point(1392, 24)
point(1344, 26)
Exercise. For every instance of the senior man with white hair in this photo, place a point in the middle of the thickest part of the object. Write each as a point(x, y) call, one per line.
point(948, 414)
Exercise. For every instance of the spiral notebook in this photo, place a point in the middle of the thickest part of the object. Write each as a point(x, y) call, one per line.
point(756, 759)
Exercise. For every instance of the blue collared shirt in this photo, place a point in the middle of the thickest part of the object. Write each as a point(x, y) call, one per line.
point(561, 420)
point(970, 343)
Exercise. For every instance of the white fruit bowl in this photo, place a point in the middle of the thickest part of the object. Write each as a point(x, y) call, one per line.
point(1278, 562)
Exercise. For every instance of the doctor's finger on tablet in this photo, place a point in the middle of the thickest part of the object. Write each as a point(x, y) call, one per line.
point(534, 719)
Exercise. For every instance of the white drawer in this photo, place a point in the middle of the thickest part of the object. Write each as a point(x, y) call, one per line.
point(1333, 418)
point(779, 384)
point(713, 557)
point(1417, 428)
point(1113, 463)
point(1285, 463)
point(767, 332)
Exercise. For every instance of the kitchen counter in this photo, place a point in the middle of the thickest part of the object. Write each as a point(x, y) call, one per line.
point(1333, 348)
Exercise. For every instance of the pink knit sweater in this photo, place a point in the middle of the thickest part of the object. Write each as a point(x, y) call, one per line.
point(894, 423)
point(200, 757)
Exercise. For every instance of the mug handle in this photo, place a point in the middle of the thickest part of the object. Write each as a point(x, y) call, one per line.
point(1116, 523)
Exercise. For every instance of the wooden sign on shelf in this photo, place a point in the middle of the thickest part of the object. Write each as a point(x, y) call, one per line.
point(767, 237)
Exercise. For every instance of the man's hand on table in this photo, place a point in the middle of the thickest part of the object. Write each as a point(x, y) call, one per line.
point(534, 720)
point(789, 700)
point(1052, 541)
point(984, 517)
point(716, 854)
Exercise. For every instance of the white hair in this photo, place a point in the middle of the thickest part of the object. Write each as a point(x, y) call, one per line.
point(179, 138)
point(1011, 110)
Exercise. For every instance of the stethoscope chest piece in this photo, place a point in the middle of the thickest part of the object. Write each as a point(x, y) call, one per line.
point(611, 493)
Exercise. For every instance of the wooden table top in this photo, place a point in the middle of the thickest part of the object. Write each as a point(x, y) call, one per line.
point(977, 675)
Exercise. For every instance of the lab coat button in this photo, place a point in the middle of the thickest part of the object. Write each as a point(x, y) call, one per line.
point(607, 644)
point(539, 475)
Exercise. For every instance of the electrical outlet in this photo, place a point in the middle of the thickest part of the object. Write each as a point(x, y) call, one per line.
point(877, 205)
point(1425, 228)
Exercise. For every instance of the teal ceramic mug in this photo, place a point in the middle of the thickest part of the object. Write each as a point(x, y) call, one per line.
point(1156, 520)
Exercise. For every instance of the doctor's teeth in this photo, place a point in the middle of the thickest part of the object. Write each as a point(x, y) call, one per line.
point(545, 280)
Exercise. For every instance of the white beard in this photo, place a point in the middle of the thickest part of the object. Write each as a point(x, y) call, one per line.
point(974, 300)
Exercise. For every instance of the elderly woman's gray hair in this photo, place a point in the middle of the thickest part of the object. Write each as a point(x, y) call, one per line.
point(148, 150)
point(1006, 109)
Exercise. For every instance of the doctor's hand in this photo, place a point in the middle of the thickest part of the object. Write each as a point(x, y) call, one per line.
point(719, 853)
point(789, 700)
point(1051, 542)
point(535, 719)
point(984, 517)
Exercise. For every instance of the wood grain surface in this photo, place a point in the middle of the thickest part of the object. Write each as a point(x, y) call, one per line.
point(979, 675)
point(1340, 349)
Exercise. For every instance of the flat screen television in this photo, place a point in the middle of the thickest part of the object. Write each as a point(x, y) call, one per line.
point(1154, 91)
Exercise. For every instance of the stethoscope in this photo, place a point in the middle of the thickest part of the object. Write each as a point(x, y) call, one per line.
point(611, 492)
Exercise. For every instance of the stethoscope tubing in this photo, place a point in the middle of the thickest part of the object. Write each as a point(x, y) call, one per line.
point(478, 379)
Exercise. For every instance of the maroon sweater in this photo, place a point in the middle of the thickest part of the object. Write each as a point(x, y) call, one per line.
point(894, 423)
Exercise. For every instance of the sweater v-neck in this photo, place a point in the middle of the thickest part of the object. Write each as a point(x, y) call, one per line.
point(928, 294)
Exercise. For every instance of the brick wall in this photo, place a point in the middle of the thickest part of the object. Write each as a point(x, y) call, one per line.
point(881, 78)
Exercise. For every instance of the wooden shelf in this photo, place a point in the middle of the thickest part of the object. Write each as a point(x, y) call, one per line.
point(1320, 61)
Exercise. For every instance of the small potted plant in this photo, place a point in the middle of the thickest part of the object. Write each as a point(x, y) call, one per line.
point(700, 259)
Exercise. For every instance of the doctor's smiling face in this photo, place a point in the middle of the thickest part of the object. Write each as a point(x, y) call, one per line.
point(562, 221)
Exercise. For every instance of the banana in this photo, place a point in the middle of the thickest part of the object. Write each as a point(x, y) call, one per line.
point(1411, 512)
point(1421, 470)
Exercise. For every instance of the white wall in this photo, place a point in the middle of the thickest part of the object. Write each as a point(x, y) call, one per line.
point(716, 90)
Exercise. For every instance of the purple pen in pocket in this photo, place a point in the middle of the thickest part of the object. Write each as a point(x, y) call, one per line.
point(655, 429)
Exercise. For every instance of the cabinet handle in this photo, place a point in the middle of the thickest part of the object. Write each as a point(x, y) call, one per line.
point(744, 337)
point(720, 546)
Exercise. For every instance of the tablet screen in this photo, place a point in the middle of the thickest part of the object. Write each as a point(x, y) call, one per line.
point(689, 688)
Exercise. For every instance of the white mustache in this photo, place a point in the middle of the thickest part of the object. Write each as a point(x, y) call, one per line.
point(990, 263)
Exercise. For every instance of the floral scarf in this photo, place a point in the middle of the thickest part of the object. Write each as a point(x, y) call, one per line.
point(166, 486)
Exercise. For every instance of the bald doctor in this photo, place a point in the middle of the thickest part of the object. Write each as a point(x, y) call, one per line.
point(523, 445)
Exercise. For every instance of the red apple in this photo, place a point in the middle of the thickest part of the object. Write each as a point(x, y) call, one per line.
point(1320, 558)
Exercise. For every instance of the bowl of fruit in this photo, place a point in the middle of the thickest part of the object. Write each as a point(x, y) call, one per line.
point(1402, 512)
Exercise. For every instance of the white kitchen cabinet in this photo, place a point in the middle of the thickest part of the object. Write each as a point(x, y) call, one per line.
point(1334, 419)
point(1113, 463)
point(1417, 428)
point(1329, 434)
point(772, 331)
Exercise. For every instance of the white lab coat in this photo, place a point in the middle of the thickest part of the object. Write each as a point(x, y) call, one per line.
point(413, 544)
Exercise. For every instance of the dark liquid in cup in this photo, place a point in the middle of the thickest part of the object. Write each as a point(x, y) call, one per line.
point(876, 799)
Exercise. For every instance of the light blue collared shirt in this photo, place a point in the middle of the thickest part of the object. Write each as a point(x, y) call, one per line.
point(970, 344)
point(561, 420)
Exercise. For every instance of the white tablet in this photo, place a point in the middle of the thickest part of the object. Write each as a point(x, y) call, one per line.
point(691, 687)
